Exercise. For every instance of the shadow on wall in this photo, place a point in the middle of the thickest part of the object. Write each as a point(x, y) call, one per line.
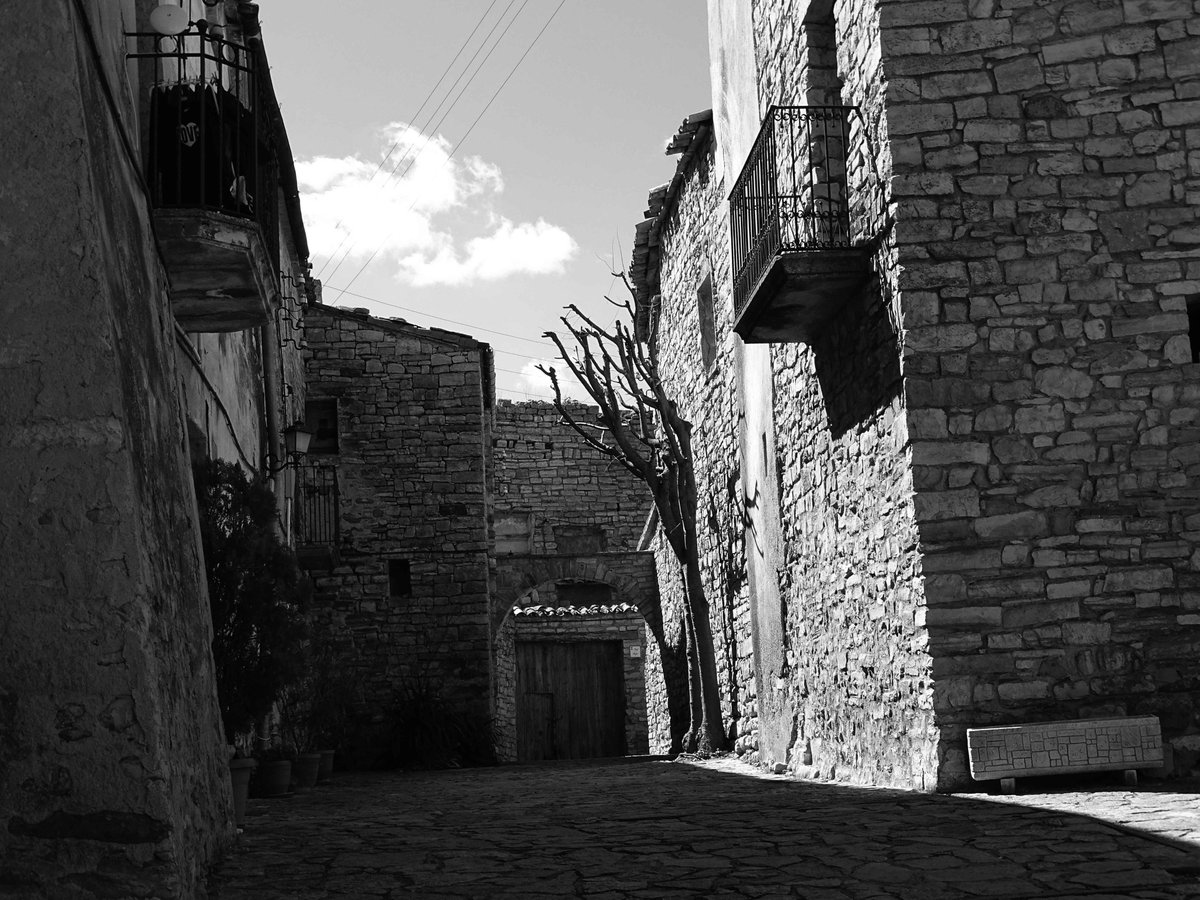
point(659, 829)
point(729, 526)
point(858, 361)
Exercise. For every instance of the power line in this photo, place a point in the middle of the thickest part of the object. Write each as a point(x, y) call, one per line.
point(412, 160)
point(442, 319)
point(488, 106)
point(417, 115)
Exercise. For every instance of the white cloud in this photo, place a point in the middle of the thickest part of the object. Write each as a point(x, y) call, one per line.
point(536, 248)
point(436, 225)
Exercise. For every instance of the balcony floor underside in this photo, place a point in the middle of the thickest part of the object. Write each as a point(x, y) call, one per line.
point(800, 292)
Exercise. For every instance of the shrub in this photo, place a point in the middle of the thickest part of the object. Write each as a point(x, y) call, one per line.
point(259, 597)
point(426, 731)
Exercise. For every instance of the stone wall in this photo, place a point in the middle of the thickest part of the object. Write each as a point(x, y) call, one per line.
point(112, 766)
point(694, 240)
point(856, 663)
point(983, 462)
point(1046, 190)
point(667, 713)
point(566, 524)
point(221, 376)
point(556, 494)
point(504, 722)
point(413, 419)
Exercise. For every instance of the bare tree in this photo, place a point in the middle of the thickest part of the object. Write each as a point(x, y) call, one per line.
point(647, 435)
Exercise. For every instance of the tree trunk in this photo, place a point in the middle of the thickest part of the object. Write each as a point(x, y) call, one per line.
point(695, 691)
point(710, 735)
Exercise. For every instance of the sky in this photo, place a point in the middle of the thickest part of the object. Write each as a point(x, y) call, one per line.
point(448, 181)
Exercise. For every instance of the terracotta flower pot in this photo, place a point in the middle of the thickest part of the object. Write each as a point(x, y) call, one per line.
point(304, 771)
point(275, 778)
point(325, 772)
point(239, 773)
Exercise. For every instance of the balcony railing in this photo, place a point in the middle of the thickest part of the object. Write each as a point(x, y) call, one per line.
point(209, 144)
point(213, 175)
point(792, 195)
point(316, 509)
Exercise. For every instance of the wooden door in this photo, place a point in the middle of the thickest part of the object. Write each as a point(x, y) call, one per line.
point(570, 700)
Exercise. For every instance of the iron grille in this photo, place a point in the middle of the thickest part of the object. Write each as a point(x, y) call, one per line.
point(791, 195)
point(210, 145)
point(316, 505)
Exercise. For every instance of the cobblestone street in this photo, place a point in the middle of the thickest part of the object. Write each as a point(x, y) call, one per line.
point(710, 829)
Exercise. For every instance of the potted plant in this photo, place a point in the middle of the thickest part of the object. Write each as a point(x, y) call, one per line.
point(313, 710)
point(258, 598)
point(274, 776)
point(295, 710)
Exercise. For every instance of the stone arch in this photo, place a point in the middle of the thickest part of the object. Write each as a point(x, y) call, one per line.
point(630, 575)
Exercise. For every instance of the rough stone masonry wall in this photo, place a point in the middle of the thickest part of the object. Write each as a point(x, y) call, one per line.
point(857, 668)
point(112, 766)
point(1047, 161)
point(556, 496)
point(547, 475)
point(412, 429)
point(694, 245)
point(626, 627)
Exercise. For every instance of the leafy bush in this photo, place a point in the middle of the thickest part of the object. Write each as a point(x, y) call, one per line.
point(258, 595)
point(314, 709)
point(427, 732)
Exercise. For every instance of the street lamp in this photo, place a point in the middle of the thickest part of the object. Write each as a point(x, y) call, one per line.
point(295, 444)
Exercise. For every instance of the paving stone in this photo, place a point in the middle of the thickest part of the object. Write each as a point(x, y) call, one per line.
point(717, 828)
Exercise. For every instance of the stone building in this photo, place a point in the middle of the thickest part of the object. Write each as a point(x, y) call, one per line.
point(401, 417)
point(427, 511)
point(567, 521)
point(141, 298)
point(936, 346)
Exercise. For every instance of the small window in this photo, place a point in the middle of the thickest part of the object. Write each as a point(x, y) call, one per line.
point(708, 325)
point(1193, 314)
point(583, 593)
point(321, 420)
point(579, 539)
point(514, 532)
point(399, 578)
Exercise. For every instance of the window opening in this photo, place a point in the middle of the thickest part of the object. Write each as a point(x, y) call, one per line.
point(321, 420)
point(399, 578)
point(1193, 314)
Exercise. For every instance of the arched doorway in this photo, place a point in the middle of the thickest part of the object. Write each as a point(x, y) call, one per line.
point(570, 647)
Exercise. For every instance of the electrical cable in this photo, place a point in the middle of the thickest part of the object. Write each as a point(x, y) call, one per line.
point(482, 112)
point(422, 129)
point(441, 318)
point(416, 116)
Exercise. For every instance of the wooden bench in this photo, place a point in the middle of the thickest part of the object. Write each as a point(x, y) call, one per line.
point(1057, 748)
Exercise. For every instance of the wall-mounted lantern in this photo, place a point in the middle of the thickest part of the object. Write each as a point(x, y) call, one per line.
point(295, 445)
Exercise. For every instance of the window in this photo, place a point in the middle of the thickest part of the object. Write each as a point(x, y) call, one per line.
point(584, 593)
point(321, 420)
point(1193, 314)
point(579, 539)
point(514, 532)
point(399, 578)
point(708, 325)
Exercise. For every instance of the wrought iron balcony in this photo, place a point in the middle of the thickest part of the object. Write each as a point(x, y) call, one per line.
point(316, 509)
point(213, 177)
point(794, 259)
